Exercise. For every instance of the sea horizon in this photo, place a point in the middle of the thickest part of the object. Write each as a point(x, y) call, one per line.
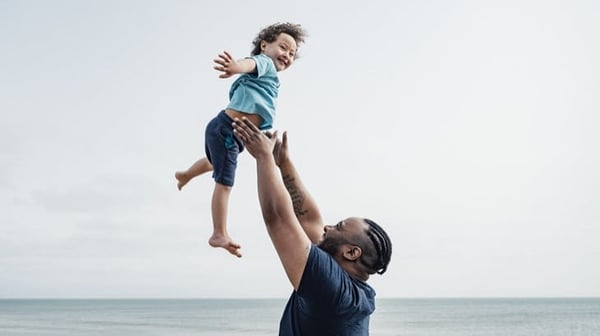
point(423, 316)
point(285, 298)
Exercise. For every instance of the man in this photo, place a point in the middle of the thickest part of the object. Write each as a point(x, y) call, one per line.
point(328, 266)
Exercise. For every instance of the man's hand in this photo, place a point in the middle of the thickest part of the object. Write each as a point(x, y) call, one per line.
point(228, 65)
point(258, 144)
point(280, 152)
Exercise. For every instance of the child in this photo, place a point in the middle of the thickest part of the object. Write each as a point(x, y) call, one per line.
point(252, 95)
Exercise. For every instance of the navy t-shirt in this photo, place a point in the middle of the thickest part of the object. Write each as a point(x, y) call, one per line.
point(328, 301)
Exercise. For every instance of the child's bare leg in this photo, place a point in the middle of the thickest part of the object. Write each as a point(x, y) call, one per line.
point(198, 168)
point(220, 237)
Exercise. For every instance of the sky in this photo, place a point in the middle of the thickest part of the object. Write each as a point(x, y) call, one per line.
point(465, 128)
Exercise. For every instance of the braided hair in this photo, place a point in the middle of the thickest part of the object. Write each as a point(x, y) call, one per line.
point(383, 246)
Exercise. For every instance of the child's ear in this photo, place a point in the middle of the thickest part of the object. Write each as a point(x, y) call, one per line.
point(263, 45)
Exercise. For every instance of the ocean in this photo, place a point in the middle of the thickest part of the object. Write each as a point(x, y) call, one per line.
point(245, 317)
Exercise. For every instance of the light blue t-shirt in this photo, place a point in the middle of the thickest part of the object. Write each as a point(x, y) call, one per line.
point(256, 92)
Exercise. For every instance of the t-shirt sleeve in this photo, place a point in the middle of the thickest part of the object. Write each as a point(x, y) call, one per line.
point(325, 282)
point(264, 65)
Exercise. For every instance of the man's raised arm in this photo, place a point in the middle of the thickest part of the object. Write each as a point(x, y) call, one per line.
point(305, 207)
point(289, 239)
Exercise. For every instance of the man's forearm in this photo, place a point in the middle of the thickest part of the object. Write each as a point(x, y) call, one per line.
point(288, 237)
point(305, 207)
point(295, 189)
point(271, 193)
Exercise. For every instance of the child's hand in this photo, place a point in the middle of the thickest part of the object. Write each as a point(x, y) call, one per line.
point(228, 65)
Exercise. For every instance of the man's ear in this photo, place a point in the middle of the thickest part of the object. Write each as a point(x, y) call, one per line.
point(351, 252)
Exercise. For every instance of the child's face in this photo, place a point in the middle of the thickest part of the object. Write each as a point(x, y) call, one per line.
point(282, 51)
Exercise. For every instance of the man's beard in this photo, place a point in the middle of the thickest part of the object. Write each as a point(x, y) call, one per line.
point(330, 245)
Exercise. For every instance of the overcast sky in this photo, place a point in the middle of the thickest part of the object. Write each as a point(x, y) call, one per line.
point(468, 129)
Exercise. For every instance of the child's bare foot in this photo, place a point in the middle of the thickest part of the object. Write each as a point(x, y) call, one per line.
point(182, 179)
point(227, 243)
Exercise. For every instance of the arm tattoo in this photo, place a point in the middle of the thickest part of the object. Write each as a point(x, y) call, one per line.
point(296, 195)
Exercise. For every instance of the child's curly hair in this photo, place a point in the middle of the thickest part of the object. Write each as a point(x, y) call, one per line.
point(270, 33)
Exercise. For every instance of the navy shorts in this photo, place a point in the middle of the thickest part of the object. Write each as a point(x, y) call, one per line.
point(222, 148)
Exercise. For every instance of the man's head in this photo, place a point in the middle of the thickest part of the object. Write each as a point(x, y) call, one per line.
point(359, 245)
point(280, 42)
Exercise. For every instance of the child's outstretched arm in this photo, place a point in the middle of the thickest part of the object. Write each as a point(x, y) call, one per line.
point(230, 67)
